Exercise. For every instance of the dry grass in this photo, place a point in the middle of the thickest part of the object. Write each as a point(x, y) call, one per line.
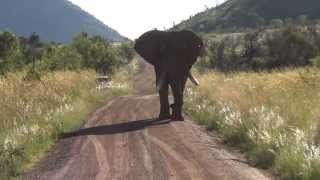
point(274, 117)
point(34, 113)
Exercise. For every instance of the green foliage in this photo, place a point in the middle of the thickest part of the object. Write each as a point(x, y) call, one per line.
point(126, 51)
point(57, 57)
point(260, 50)
point(289, 48)
point(303, 20)
point(316, 61)
point(8, 43)
point(276, 23)
point(85, 52)
point(238, 15)
point(33, 74)
point(10, 52)
point(97, 53)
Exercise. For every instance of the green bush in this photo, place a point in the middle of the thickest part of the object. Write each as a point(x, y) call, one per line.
point(85, 52)
point(57, 57)
point(260, 50)
point(276, 23)
point(316, 61)
point(97, 53)
point(10, 52)
point(126, 52)
point(289, 48)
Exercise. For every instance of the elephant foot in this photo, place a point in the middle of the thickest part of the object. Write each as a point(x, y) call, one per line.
point(176, 113)
point(164, 116)
point(177, 118)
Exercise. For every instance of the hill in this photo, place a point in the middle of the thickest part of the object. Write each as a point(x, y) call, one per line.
point(56, 20)
point(249, 13)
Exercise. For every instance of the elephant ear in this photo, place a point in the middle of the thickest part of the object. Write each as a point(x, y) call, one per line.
point(194, 46)
point(149, 46)
point(162, 48)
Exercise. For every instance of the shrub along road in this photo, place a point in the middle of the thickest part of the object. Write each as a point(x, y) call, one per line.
point(123, 140)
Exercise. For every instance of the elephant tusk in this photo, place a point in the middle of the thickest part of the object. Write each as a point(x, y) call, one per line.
point(192, 79)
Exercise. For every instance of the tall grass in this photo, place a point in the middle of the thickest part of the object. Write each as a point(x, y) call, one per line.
point(34, 113)
point(274, 117)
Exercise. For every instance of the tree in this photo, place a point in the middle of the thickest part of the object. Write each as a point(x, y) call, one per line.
point(276, 23)
point(8, 43)
point(289, 48)
point(303, 20)
point(9, 52)
point(57, 57)
point(252, 49)
point(126, 52)
point(288, 22)
point(82, 44)
point(104, 56)
point(96, 53)
point(224, 55)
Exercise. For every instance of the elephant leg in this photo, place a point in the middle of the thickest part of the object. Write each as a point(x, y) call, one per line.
point(164, 102)
point(177, 91)
point(163, 95)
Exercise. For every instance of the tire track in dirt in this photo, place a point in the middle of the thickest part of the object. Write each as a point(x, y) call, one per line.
point(190, 168)
point(104, 167)
point(123, 141)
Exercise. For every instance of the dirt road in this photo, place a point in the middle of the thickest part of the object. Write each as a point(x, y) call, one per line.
point(122, 140)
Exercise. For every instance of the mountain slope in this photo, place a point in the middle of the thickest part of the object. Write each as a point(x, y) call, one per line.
point(56, 20)
point(249, 13)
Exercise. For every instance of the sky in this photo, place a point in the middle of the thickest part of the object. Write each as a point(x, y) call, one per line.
point(131, 18)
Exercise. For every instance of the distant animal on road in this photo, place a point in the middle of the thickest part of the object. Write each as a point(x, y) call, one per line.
point(172, 54)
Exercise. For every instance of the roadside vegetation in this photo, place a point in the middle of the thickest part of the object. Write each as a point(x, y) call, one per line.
point(84, 52)
point(49, 89)
point(262, 94)
point(272, 116)
point(263, 49)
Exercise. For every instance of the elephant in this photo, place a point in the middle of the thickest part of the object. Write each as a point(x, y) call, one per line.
point(172, 54)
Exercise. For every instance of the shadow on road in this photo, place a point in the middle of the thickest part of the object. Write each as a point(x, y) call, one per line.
point(116, 128)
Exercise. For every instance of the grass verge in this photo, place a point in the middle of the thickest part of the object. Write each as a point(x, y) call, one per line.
point(34, 113)
point(273, 117)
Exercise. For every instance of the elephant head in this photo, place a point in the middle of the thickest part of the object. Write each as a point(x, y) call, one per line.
point(155, 46)
point(172, 54)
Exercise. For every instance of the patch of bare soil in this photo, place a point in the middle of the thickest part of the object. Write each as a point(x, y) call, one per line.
point(123, 140)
